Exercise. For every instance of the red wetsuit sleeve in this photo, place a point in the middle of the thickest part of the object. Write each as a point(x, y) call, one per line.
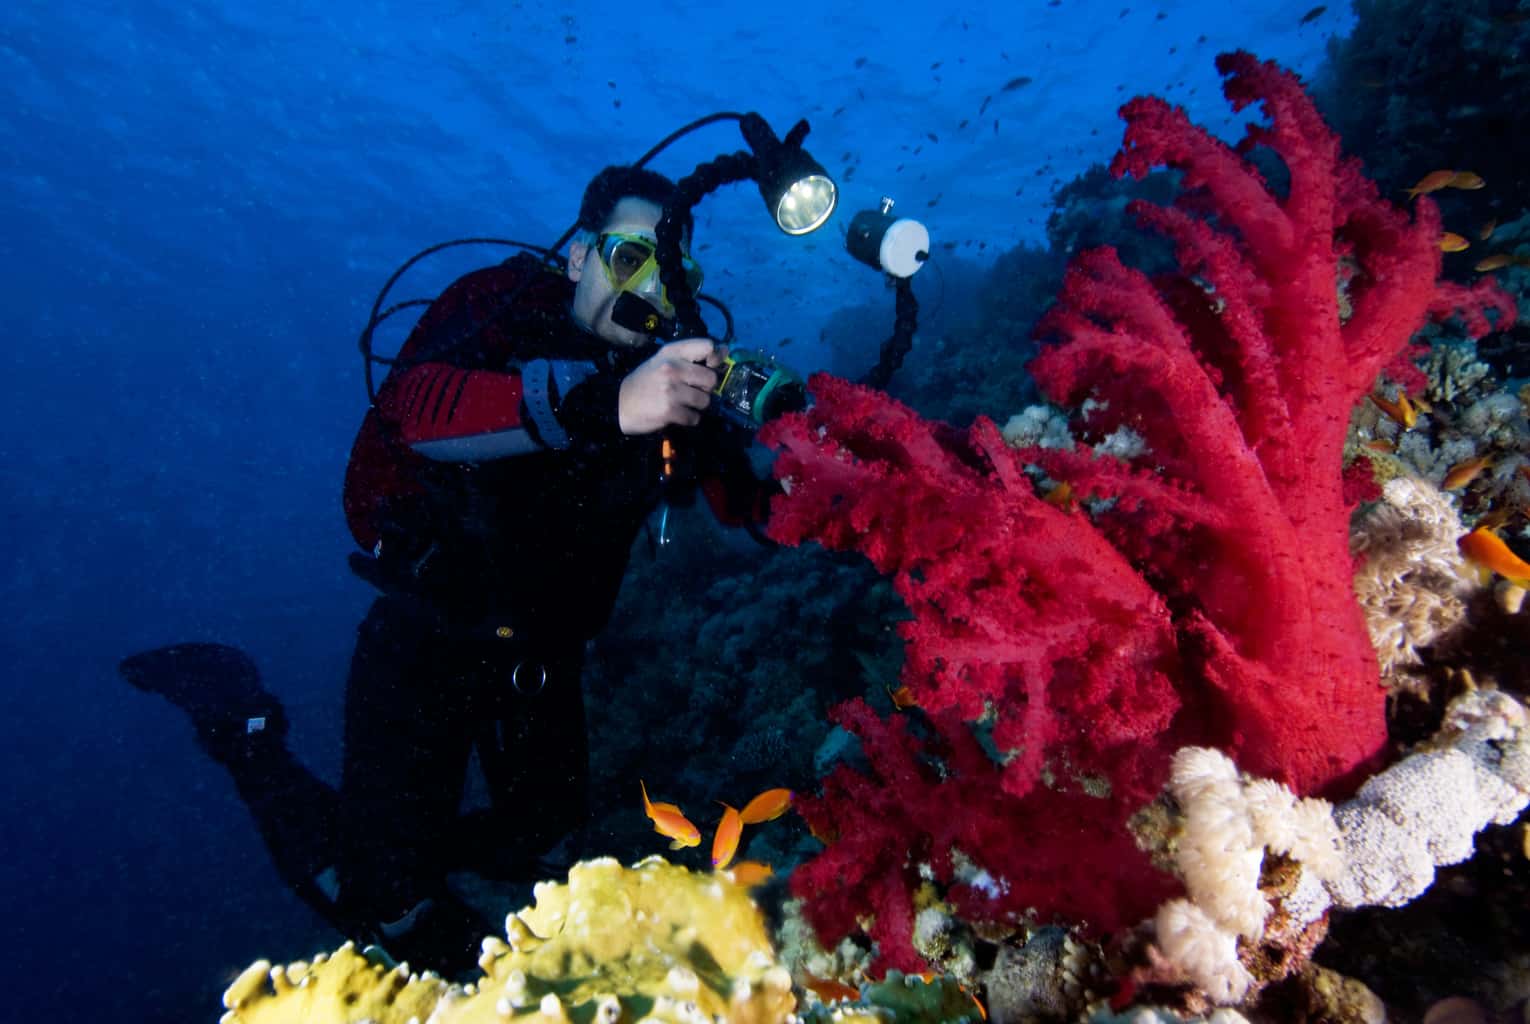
point(457, 402)
point(437, 401)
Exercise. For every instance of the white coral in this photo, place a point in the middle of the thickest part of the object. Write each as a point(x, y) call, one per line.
point(1379, 849)
point(1038, 426)
point(1413, 581)
point(1425, 810)
point(1207, 953)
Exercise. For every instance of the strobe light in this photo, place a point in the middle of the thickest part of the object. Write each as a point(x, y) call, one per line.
point(897, 246)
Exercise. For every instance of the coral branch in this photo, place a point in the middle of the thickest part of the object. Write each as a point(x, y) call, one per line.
point(1206, 599)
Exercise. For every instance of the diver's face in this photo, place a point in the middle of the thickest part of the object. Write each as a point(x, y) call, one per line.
point(594, 295)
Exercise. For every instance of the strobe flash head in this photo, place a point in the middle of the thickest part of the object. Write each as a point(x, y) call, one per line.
point(897, 246)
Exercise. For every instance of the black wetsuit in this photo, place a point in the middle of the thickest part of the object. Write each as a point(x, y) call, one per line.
point(495, 503)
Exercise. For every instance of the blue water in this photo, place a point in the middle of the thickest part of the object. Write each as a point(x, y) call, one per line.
point(199, 202)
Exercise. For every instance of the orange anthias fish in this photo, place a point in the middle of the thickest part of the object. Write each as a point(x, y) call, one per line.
point(1400, 412)
point(1486, 231)
point(902, 698)
point(1464, 472)
point(768, 806)
point(1487, 551)
point(1452, 242)
point(1497, 261)
point(670, 823)
point(750, 873)
point(725, 840)
point(1466, 180)
point(1431, 182)
point(1060, 496)
point(829, 990)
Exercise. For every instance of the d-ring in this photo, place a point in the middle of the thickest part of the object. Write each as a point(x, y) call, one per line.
point(541, 677)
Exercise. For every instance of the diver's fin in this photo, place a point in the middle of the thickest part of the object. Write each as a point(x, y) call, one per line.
point(219, 689)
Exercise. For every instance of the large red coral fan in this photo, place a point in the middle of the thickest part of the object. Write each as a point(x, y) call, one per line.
point(1209, 600)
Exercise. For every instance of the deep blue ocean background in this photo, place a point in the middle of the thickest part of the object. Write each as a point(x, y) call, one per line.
point(199, 203)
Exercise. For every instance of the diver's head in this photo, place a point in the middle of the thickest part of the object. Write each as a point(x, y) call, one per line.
point(613, 252)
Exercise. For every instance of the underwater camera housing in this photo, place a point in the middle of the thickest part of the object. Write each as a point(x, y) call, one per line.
point(754, 388)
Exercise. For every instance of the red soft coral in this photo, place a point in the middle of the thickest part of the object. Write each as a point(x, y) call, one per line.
point(1208, 601)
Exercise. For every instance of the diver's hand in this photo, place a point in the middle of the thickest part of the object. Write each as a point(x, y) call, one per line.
point(673, 388)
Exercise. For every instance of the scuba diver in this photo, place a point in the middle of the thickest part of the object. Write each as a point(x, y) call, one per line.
point(518, 444)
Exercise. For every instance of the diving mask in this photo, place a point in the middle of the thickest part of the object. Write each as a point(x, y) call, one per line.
point(631, 263)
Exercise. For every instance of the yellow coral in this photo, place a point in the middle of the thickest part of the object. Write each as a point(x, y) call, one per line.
point(654, 942)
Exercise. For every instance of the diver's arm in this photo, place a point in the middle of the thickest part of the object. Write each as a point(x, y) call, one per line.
point(455, 415)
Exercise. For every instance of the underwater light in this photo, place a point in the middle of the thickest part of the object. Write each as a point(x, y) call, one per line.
point(797, 191)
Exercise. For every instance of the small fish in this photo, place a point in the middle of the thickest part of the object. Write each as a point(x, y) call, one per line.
point(962, 125)
point(750, 873)
point(996, 126)
point(983, 109)
point(1452, 242)
point(837, 111)
point(725, 840)
point(1487, 551)
point(1382, 445)
point(932, 136)
point(829, 990)
point(902, 698)
point(1400, 412)
point(768, 806)
point(1497, 261)
point(860, 62)
point(1431, 182)
point(1486, 231)
point(1466, 180)
point(670, 823)
point(1019, 82)
point(1464, 472)
point(1060, 496)
point(1313, 15)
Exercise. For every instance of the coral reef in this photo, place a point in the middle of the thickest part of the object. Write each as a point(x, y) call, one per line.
point(1262, 868)
point(654, 943)
point(755, 645)
point(1438, 83)
point(972, 369)
point(1412, 582)
point(1059, 657)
